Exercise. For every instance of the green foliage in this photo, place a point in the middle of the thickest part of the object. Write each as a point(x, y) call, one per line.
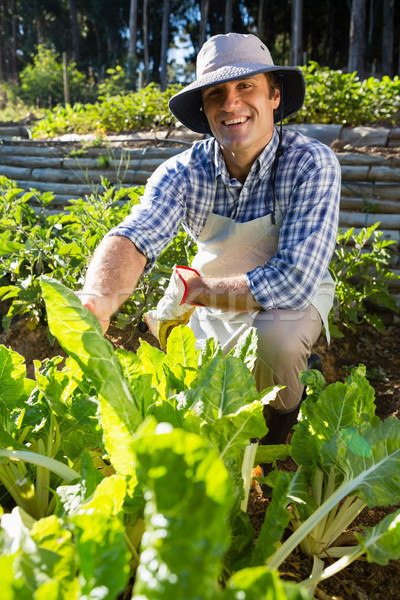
point(134, 110)
point(12, 107)
point(42, 83)
point(361, 270)
point(176, 426)
point(331, 97)
point(33, 243)
point(337, 97)
point(117, 82)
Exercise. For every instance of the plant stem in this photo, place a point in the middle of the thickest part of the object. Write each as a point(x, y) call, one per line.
point(350, 509)
point(247, 465)
point(53, 465)
point(42, 478)
point(293, 541)
point(318, 567)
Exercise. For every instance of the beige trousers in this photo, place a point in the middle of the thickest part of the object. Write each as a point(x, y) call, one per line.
point(285, 340)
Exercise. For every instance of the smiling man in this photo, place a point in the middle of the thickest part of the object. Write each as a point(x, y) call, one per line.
point(262, 204)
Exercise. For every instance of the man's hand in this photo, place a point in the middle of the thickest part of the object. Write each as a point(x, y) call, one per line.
point(111, 278)
point(98, 307)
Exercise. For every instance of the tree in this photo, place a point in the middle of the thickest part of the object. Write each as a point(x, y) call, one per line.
point(164, 44)
point(387, 37)
point(296, 57)
point(132, 58)
point(228, 15)
point(74, 30)
point(357, 37)
point(145, 42)
point(204, 7)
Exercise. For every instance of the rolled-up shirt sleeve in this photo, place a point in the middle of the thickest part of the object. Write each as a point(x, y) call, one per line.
point(290, 279)
point(154, 222)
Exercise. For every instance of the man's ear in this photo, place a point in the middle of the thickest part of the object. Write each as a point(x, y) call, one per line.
point(276, 98)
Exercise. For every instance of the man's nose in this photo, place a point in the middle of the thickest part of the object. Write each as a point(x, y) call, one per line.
point(230, 99)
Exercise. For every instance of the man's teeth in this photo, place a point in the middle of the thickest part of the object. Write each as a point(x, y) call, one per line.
point(235, 121)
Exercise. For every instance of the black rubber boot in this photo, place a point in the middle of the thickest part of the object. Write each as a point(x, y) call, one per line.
point(280, 424)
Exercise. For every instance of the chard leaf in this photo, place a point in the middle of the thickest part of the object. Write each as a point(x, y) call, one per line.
point(382, 542)
point(212, 349)
point(181, 349)
point(189, 496)
point(102, 554)
point(373, 476)
point(305, 446)
point(299, 494)
point(108, 497)
point(340, 405)
point(152, 360)
point(80, 335)
point(44, 558)
point(12, 376)
point(221, 388)
point(370, 461)
point(276, 519)
point(270, 454)
point(241, 541)
point(258, 583)
point(11, 589)
point(232, 433)
point(72, 496)
point(246, 348)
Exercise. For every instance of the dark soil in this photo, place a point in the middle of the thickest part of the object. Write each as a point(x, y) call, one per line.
point(380, 353)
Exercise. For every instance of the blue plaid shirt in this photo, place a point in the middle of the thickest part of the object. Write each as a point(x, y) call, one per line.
point(187, 187)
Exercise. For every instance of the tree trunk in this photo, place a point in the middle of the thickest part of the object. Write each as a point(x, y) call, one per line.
point(145, 44)
point(387, 37)
point(74, 30)
point(357, 38)
point(13, 43)
point(2, 39)
point(297, 33)
point(204, 7)
point(228, 15)
point(132, 58)
point(164, 45)
point(39, 24)
point(260, 19)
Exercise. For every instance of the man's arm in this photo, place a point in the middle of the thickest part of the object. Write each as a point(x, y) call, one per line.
point(226, 293)
point(112, 276)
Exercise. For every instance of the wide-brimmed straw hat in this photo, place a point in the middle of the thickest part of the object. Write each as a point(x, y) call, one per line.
point(228, 57)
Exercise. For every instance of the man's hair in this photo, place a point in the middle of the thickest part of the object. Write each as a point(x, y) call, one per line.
point(273, 83)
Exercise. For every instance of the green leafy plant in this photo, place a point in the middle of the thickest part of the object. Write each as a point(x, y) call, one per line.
point(42, 82)
point(146, 108)
point(361, 270)
point(33, 242)
point(347, 459)
point(336, 97)
point(176, 428)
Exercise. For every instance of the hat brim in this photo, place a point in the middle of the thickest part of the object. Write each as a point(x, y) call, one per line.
point(187, 104)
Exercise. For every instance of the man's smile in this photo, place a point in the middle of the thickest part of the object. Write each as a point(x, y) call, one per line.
point(235, 121)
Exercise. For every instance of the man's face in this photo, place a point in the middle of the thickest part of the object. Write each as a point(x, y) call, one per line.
point(240, 114)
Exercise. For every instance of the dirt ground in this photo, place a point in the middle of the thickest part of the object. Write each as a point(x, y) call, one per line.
point(380, 353)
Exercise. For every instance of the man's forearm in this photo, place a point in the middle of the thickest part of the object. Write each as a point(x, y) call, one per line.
point(112, 276)
point(226, 293)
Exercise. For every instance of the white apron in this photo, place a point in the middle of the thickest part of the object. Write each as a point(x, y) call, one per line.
point(227, 248)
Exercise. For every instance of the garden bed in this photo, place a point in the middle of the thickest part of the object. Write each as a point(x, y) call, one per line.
point(380, 353)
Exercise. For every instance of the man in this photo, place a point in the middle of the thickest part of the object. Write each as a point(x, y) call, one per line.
point(262, 204)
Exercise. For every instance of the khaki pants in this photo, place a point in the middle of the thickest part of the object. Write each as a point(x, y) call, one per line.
point(285, 339)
